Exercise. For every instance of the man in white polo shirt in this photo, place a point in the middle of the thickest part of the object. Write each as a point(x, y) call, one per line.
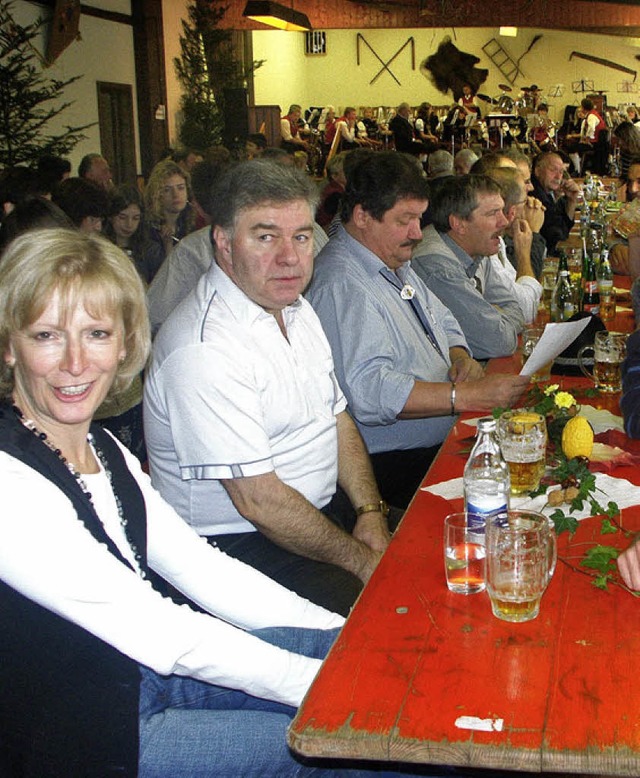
point(245, 423)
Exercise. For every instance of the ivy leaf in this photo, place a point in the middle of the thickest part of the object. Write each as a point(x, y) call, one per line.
point(564, 523)
point(612, 509)
point(600, 582)
point(607, 528)
point(601, 558)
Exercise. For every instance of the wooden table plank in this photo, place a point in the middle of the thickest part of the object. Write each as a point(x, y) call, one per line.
point(560, 691)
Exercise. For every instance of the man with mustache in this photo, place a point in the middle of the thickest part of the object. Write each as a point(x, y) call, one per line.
point(399, 353)
point(245, 423)
point(453, 261)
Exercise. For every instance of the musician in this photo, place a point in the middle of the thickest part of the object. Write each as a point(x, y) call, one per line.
point(592, 125)
point(291, 130)
point(468, 102)
point(541, 134)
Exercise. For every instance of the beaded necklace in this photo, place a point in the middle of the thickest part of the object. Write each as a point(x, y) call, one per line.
point(42, 436)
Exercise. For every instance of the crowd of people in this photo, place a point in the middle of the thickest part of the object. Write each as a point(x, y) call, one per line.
point(313, 343)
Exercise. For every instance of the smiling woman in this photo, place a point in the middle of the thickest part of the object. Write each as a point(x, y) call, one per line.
point(92, 657)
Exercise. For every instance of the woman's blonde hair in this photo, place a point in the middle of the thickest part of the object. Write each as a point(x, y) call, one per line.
point(153, 191)
point(83, 268)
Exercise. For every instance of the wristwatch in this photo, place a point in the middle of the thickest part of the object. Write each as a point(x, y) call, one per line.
point(380, 507)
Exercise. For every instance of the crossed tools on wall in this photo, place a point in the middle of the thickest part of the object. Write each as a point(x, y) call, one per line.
point(385, 65)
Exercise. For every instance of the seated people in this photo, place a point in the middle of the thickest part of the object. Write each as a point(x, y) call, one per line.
point(399, 353)
point(619, 248)
point(170, 215)
point(100, 674)
point(332, 193)
point(463, 161)
point(532, 211)
point(558, 193)
point(348, 134)
point(517, 239)
point(192, 256)
point(542, 132)
point(95, 168)
point(370, 124)
point(246, 426)
point(255, 144)
point(403, 135)
point(453, 261)
point(291, 127)
point(425, 125)
point(591, 127)
point(84, 202)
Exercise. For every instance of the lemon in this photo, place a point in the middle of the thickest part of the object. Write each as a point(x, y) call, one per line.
point(521, 422)
point(577, 438)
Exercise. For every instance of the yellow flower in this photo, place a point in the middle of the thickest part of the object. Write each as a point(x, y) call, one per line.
point(564, 400)
point(551, 389)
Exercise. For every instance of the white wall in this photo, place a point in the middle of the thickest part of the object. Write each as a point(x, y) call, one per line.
point(105, 53)
point(289, 76)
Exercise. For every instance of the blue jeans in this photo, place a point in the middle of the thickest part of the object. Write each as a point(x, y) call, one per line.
point(191, 729)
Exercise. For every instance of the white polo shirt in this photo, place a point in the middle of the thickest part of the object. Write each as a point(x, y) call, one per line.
point(227, 396)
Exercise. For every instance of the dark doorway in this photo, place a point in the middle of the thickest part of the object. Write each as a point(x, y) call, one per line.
point(117, 130)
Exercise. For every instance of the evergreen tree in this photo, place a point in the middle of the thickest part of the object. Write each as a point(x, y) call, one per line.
point(207, 66)
point(28, 99)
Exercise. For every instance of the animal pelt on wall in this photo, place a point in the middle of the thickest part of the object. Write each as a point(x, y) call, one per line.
point(449, 69)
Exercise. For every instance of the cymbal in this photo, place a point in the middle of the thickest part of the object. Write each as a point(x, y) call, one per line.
point(486, 99)
point(504, 87)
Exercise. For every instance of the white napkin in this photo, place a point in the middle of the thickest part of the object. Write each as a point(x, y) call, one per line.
point(600, 419)
point(621, 491)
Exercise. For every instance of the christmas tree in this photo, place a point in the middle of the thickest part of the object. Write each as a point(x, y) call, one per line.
point(207, 66)
point(28, 99)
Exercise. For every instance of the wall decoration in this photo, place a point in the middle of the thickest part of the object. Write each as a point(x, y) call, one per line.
point(385, 65)
point(607, 63)
point(449, 68)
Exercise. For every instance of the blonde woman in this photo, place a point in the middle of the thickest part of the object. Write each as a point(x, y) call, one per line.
point(167, 195)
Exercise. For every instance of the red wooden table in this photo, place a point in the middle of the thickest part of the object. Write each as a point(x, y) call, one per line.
point(557, 694)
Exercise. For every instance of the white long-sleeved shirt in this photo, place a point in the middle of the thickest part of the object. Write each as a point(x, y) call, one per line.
point(49, 556)
point(527, 290)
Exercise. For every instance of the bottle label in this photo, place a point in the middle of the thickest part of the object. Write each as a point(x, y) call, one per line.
point(483, 510)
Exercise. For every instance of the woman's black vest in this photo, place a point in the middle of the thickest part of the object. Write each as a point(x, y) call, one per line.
point(68, 700)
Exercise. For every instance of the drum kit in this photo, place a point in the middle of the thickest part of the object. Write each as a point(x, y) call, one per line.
point(508, 117)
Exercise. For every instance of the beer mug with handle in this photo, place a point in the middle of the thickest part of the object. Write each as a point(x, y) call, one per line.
point(609, 350)
point(521, 559)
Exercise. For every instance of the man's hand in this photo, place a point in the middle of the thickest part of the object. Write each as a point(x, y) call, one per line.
point(497, 390)
point(629, 566)
point(619, 257)
point(570, 190)
point(464, 368)
point(371, 529)
point(534, 213)
point(522, 239)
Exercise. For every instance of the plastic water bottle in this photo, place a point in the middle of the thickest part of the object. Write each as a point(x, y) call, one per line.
point(486, 477)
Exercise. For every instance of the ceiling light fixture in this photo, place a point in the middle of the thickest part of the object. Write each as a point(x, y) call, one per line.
point(509, 32)
point(276, 15)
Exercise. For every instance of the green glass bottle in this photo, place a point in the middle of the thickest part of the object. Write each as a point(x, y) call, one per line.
point(562, 304)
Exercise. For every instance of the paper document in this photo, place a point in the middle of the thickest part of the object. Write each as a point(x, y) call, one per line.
point(555, 339)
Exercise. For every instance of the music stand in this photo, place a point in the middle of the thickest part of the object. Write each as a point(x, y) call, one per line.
point(584, 85)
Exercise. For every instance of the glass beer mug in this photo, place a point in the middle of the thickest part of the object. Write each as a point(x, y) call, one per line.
point(609, 350)
point(521, 559)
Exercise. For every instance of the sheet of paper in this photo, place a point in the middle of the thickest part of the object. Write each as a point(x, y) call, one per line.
point(555, 339)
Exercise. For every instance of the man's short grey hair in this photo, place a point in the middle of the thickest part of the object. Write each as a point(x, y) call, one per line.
point(468, 156)
point(511, 185)
point(440, 163)
point(458, 196)
point(258, 182)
